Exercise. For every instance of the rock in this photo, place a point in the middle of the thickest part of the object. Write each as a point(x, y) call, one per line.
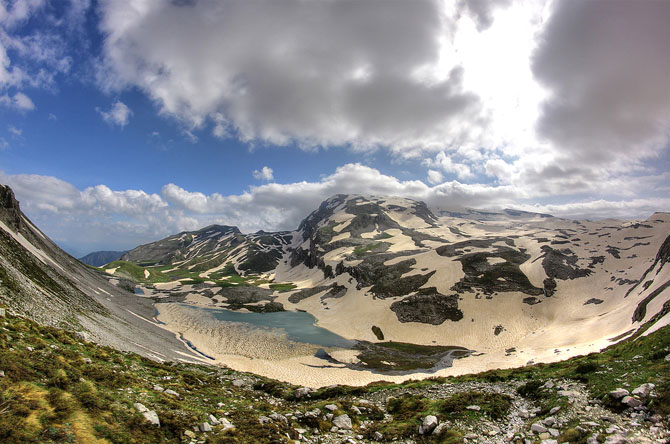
point(618, 393)
point(538, 428)
point(631, 402)
point(158, 388)
point(548, 385)
point(2, 373)
point(440, 428)
point(302, 392)
point(356, 410)
point(554, 410)
point(616, 439)
point(190, 434)
point(643, 390)
point(567, 393)
point(152, 417)
point(549, 441)
point(523, 413)
point(140, 407)
point(342, 422)
point(227, 425)
point(281, 418)
point(378, 436)
point(473, 407)
point(213, 420)
point(549, 421)
point(264, 420)
point(330, 407)
point(88, 360)
point(554, 432)
point(239, 382)
point(171, 392)
point(470, 435)
point(428, 425)
point(301, 431)
point(592, 440)
point(667, 358)
point(544, 435)
point(205, 427)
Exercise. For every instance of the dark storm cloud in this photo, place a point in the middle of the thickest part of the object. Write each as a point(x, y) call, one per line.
point(607, 66)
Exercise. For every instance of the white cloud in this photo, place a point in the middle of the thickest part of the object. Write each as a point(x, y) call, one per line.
point(314, 73)
point(435, 177)
point(447, 164)
point(18, 101)
point(118, 115)
point(122, 219)
point(16, 132)
point(3, 144)
point(265, 173)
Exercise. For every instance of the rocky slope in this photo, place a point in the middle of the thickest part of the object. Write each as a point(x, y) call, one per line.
point(40, 280)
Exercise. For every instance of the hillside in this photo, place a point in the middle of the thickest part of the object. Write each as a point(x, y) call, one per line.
point(511, 287)
point(100, 258)
point(60, 382)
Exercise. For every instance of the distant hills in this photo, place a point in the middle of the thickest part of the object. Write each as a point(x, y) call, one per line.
point(100, 258)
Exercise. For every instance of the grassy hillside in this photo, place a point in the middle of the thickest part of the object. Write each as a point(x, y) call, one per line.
point(57, 388)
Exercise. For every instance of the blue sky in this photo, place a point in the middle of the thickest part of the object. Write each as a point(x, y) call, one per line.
point(123, 121)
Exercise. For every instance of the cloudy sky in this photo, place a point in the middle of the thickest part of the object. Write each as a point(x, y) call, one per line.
point(123, 121)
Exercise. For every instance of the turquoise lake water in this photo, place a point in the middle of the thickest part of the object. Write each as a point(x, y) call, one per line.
point(298, 326)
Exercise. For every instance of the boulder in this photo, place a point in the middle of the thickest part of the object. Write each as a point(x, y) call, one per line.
point(342, 422)
point(171, 392)
point(428, 425)
point(476, 408)
point(631, 402)
point(538, 428)
point(264, 420)
point(549, 421)
point(302, 392)
point(330, 407)
point(152, 417)
point(158, 388)
point(140, 407)
point(213, 420)
point(643, 390)
point(440, 428)
point(239, 383)
point(619, 393)
point(205, 427)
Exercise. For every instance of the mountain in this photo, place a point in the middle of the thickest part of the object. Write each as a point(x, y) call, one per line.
point(41, 281)
point(385, 262)
point(510, 286)
point(100, 258)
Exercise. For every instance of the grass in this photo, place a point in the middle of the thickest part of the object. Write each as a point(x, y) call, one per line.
point(51, 395)
point(362, 249)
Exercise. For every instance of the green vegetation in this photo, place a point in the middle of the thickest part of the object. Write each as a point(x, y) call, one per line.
point(59, 389)
point(362, 249)
point(287, 286)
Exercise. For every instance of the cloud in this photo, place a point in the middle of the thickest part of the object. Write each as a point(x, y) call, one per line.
point(435, 177)
point(118, 115)
point(313, 73)
point(265, 173)
point(16, 132)
point(605, 64)
point(18, 101)
point(3, 144)
point(99, 217)
point(446, 163)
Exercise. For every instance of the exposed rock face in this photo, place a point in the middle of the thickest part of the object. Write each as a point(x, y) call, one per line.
point(10, 213)
point(429, 308)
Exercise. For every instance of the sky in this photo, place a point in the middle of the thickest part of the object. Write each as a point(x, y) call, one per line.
point(124, 121)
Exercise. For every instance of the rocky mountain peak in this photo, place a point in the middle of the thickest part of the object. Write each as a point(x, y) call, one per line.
point(10, 213)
